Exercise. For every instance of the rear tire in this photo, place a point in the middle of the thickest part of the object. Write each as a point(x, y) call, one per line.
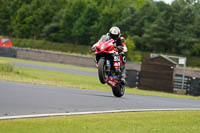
point(102, 71)
point(118, 91)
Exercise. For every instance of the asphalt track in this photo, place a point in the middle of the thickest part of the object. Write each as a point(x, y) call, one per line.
point(26, 99)
point(31, 99)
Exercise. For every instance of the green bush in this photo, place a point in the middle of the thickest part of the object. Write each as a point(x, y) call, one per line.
point(193, 61)
point(46, 45)
point(137, 57)
point(6, 66)
point(131, 47)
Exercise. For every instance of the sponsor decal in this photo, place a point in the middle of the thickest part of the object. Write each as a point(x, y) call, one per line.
point(111, 83)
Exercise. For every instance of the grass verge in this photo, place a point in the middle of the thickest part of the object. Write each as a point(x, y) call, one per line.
point(6, 66)
point(46, 77)
point(47, 64)
point(140, 122)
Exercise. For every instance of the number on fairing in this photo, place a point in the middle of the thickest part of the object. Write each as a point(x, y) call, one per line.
point(116, 58)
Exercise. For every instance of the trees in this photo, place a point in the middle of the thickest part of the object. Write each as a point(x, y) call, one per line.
point(4, 17)
point(183, 36)
point(82, 28)
point(71, 13)
point(31, 19)
point(19, 24)
point(102, 25)
point(153, 26)
point(141, 22)
point(156, 36)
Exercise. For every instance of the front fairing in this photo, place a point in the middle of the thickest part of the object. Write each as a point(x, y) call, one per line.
point(105, 46)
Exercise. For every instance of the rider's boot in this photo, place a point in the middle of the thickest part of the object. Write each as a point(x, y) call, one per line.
point(123, 77)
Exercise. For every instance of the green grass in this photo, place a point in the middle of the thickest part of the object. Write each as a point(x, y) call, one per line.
point(46, 77)
point(140, 122)
point(6, 66)
point(47, 64)
point(157, 93)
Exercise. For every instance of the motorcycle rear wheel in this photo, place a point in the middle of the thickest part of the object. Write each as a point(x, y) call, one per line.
point(118, 91)
point(102, 71)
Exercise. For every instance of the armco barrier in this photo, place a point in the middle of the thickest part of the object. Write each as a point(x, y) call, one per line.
point(8, 52)
point(178, 79)
point(54, 57)
point(132, 78)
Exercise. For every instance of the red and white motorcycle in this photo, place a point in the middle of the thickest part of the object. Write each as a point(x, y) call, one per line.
point(110, 64)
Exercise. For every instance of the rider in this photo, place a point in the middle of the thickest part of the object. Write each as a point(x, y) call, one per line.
point(114, 33)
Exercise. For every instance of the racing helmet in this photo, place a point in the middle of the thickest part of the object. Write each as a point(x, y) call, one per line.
point(114, 32)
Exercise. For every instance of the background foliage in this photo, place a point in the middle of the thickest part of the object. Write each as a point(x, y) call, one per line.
point(152, 26)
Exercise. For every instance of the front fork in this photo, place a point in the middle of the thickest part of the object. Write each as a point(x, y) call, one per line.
point(119, 65)
point(116, 62)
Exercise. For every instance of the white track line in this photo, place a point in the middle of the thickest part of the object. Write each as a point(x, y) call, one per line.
point(93, 112)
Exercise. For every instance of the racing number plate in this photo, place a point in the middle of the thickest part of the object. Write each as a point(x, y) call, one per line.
point(116, 58)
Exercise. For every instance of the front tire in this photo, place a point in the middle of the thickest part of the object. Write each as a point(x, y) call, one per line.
point(118, 91)
point(102, 71)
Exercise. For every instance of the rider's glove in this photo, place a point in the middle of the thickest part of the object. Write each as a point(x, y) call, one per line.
point(120, 48)
point(92, 49)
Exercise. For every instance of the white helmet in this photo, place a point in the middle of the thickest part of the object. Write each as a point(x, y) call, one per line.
point(114, 32)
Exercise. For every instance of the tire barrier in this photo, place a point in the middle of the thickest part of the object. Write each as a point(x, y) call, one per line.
point(191, 84)
point(194, 87)
point(8, 52)
point(132, 78)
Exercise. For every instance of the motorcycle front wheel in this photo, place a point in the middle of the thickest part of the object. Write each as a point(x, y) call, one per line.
point(118, 91)
point(102, 71)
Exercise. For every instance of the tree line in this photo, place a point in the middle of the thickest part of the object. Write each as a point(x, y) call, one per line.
point(153, 26)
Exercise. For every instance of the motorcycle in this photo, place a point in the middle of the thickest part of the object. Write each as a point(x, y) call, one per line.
point(110, 64)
